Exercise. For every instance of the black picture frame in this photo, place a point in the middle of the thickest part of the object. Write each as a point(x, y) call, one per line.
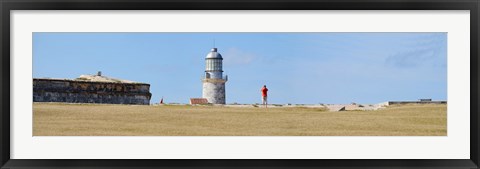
point(8, 5)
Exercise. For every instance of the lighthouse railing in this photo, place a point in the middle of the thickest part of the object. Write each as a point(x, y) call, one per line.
point(224, 77)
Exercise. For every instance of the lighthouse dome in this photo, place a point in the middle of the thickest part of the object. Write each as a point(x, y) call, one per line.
point(214, 54)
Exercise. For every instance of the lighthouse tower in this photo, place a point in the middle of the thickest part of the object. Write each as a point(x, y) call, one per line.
point(213, 80)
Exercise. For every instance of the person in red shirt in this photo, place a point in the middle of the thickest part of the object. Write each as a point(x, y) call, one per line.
point(264, 91)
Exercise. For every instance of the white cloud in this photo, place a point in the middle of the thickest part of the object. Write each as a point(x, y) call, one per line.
point(235, 56)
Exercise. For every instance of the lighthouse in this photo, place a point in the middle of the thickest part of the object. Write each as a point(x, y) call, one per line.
point(213, 80)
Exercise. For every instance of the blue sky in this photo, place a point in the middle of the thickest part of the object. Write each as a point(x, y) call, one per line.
point(298, 68)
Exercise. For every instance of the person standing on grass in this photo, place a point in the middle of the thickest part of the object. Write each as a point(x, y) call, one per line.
point(264, 91)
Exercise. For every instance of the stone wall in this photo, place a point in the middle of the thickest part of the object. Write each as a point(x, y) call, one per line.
point(73, 91)
point(416, 102)
point(214, 90)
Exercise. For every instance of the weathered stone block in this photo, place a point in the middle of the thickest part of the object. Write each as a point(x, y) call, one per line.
point(74, 91)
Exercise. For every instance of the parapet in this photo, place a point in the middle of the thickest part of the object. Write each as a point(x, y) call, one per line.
point(91, 89)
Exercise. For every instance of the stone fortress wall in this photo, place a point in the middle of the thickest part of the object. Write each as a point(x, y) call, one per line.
point(76, 91)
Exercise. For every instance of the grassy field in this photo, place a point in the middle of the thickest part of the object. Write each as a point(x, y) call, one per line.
point(56, 119)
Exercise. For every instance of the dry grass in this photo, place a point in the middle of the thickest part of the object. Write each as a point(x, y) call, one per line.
point(56, 119)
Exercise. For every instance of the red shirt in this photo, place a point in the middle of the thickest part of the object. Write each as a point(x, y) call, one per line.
point(264, 91)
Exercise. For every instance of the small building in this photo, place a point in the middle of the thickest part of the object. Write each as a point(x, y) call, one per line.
point(91, 89)
point(198, 101)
